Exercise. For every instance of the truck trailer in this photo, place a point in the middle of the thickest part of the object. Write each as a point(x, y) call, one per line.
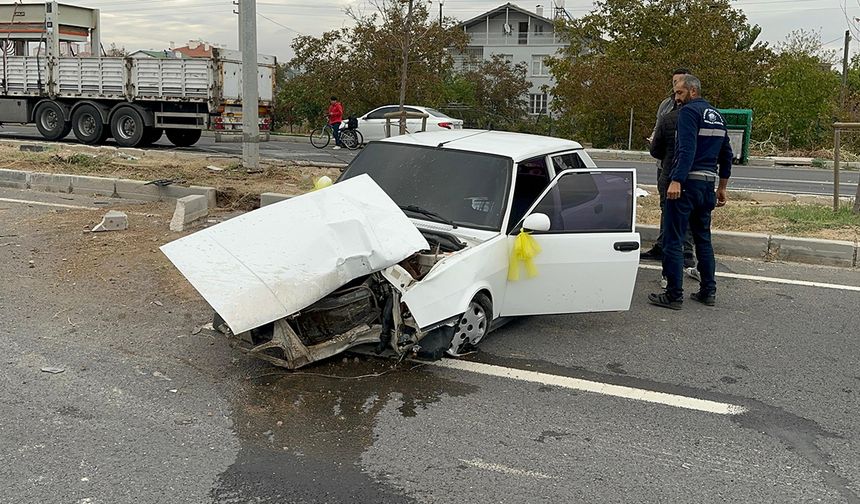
point(132, 100)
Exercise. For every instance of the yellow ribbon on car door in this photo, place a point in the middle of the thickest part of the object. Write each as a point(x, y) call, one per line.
point(525, 249)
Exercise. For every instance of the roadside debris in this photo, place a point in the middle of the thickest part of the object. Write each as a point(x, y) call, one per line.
point(160, 375)
point(189, 209)
point(52, 370)
point(31, 264)
point(127, 156)
point(158, 303)
point(33, 148)
point(640, 193)
point(214, 168)
point(112, 221)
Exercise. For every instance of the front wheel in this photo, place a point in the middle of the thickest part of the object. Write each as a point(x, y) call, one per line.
point(473, 325)
point(351, 139)
point(320, 138)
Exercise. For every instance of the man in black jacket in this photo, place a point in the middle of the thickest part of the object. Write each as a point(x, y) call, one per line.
point(663, 148)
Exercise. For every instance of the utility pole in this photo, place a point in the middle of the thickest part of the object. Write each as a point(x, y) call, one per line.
point(844, 71)
point(441, 2)
point(250, 93)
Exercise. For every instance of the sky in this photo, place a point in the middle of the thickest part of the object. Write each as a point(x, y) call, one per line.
point(155, 24)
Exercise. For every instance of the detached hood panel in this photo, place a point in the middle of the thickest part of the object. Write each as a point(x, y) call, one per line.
point(272, 262)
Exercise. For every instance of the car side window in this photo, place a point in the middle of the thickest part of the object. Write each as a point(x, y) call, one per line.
point(567, 161)
point(531, 180)
point(380, 112)
point(590, 202)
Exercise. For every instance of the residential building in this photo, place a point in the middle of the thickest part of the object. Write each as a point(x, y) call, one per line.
point(520, 36)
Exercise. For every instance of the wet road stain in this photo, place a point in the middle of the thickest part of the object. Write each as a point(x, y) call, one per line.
point(302, 433)
point(616, 368)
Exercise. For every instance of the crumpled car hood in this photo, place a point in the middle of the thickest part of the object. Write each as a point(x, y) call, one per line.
point(275, 261)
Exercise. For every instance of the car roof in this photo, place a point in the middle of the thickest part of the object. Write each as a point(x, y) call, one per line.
point(517, 146)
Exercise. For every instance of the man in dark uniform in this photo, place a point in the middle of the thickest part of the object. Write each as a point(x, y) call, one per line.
point(701, 145)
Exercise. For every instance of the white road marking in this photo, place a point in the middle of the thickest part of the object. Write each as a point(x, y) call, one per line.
point(650, 396)
point(42, 203)
point(480, 464)
point(786, 281)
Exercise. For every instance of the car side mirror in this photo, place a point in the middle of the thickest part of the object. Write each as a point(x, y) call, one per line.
point(536, 222)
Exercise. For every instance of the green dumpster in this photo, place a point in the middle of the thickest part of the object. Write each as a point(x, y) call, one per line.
point(739, 124)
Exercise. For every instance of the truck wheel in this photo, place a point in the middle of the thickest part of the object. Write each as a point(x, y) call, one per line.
point(51, 122)
point(127, 127)
point(152, 135)
point(183, 137)
point(87, 125)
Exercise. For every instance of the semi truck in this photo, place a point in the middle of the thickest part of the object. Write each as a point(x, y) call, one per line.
point(134, 100)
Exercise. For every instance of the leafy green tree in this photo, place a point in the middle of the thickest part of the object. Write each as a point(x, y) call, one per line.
point(494, 91)
point(622, 54)
point(364, 65)
point(796, 100)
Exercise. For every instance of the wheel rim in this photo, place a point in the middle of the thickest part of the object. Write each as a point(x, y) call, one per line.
point(87, 125)
point(127, 127)
point(50, 121)
point(471, 328)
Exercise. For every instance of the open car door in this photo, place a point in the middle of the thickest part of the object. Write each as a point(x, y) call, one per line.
point(589, 254)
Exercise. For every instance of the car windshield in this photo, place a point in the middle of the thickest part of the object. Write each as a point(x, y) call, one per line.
point(468, 188)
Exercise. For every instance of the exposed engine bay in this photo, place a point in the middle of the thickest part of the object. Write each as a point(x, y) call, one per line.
point(366, 310)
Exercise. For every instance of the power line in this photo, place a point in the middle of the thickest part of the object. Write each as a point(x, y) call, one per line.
point(279, 24)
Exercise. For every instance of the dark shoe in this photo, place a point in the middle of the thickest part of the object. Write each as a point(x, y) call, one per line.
point(655, 254)
point(663, 299)
point(689, 262)
point(705, 299)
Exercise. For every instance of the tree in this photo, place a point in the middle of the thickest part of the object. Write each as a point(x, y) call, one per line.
point(364, 65)
point(116, 52)
point(621, 56)
point(797, 98)
point(493, 90)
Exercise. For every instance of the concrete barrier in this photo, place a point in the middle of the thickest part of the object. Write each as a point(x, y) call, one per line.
point(740, 244)
point(269, 197)
point(812, 251)
point(189, 209)
point(172, 192)
point(50, 182)
point(15, 179)
point(92, 186)
point(135, 189)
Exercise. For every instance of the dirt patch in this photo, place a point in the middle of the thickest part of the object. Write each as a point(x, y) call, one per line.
point(237, 189)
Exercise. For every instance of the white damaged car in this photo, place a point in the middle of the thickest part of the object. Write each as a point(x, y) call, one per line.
point(414, 248)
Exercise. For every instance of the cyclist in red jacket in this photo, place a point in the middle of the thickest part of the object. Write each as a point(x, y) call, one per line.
point(335, 117)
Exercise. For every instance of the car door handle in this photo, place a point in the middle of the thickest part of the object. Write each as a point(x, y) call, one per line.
point(627, 246)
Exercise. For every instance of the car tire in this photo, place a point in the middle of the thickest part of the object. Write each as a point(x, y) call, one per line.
point(51, 122)
point(473, 325)
point(88, 126)
point(127, 127)
point(183, 137)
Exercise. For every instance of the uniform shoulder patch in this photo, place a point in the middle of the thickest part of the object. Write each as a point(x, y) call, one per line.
point(711, 116)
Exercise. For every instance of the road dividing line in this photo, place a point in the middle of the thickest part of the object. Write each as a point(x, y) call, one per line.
point(42, 203)
point(651, 396)
point(487, 466)
point(786, 281)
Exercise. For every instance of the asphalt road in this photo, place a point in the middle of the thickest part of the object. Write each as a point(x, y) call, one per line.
point(794, 180)
point(148, 410)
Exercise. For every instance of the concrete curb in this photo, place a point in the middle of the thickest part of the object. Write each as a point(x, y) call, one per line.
point(188, 210)
point(775, 247)
point(268, 198)
point(99, 186)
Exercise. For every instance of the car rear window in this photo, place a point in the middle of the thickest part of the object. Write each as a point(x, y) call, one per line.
point(468, 188)
point(436, 113)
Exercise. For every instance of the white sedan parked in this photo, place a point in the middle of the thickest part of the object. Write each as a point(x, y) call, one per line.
point(372, 124)
point(412, 248)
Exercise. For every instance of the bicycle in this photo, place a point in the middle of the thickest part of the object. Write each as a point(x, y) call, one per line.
point(350, 137)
